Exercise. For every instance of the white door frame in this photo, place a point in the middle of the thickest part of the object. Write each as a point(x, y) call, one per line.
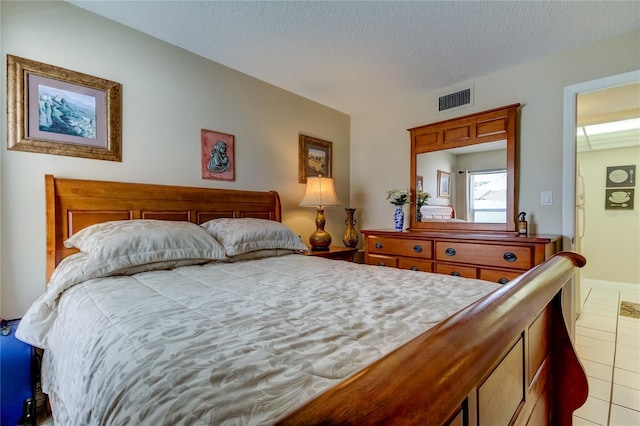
point(569, 155)
point(569, 147)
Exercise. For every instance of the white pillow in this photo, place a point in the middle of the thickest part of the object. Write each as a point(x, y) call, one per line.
point(126, 243)
point(239, 236)
point(261, 254)
point(156, 266)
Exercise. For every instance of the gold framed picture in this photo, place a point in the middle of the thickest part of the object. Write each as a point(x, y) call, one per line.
point(57, 111)
point(444, 184)
point(315, 157)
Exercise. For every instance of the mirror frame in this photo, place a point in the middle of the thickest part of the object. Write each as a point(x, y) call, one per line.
point(487, 126)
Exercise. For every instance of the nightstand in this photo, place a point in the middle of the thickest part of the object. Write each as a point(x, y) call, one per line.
point(335, 252)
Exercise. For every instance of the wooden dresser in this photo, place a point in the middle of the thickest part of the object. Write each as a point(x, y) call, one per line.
point(497, 257)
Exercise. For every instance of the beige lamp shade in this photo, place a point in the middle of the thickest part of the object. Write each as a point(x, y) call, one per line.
point(320, 193)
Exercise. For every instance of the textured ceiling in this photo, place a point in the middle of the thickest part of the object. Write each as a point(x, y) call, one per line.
point(355, 55)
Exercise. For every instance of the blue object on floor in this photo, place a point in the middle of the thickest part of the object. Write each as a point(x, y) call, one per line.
point(17, 381)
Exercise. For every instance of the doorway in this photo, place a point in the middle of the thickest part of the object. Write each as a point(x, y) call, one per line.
point(610, 99)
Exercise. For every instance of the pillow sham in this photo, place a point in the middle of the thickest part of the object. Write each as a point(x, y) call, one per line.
point(162, 265)
point(128, 243)
point(243, 235)
point(261, 254)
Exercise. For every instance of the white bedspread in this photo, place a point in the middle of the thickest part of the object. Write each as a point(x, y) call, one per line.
point(229, 343)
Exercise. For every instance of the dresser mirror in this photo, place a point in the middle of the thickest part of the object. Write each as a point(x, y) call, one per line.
point(467, 164)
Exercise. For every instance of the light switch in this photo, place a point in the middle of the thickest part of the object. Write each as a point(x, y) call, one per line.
point(546, 198)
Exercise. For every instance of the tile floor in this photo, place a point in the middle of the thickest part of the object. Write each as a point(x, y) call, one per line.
point(609, 347)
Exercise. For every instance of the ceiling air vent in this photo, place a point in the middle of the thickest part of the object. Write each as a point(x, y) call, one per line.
point(455, 100)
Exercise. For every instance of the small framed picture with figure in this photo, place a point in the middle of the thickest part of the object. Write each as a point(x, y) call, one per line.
point(218, 155)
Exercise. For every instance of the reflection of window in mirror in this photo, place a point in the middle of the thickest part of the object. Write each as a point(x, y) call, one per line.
point(488, 196)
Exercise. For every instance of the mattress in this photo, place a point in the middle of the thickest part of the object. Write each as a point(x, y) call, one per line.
point(229, 342)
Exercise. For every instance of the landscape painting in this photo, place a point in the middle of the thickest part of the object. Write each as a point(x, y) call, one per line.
point(315, 157)
point(67, 113)
point(53, 110)
point(316, 162)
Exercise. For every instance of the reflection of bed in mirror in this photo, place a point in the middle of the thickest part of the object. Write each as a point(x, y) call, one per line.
point(438, 212)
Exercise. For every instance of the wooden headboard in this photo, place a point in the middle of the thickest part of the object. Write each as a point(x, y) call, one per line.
point(73, 204)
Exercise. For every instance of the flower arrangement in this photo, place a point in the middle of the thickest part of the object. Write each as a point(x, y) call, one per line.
point(399, 197)
point(422, 198)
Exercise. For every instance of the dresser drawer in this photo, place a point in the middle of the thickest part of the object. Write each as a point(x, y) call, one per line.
point(415, 264)
point(497, 276)
point(503, 256)
point(400, 247)
point(457, 270)
point(381, 260)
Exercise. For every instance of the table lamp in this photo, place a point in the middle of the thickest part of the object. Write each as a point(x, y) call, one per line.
point(320, 193)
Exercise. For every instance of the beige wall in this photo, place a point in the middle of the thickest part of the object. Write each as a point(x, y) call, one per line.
point(380, 143)
point(611, 240)
point(168, 96)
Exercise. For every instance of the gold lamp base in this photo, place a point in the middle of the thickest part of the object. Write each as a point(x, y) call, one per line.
point(320, 192)
point(320, 239)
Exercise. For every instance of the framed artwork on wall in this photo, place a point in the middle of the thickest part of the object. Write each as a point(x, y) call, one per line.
point(619, 176)
point(57, 111)
point(315, 157)
point(619, 199)
point(218, 155)
point(444, 184)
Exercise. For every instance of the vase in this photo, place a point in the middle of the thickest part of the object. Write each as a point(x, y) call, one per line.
point(398, 218)
point(350, 237)
point(418, 214)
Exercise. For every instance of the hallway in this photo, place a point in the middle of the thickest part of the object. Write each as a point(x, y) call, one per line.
point(608, 345)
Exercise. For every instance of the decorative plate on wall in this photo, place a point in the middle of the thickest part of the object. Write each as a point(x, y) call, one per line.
point(621, 176)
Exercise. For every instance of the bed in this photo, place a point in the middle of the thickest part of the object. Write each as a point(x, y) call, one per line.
point(243, 328)
point(432, 211)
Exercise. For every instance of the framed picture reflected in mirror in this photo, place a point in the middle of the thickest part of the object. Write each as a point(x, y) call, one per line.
point(444, 184)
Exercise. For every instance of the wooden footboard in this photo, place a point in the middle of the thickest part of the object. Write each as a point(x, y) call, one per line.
point(506, 359)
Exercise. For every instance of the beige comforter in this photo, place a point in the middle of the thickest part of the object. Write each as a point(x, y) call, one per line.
point(226, 343)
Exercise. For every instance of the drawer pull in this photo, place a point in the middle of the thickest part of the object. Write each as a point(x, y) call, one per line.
point(417, 248)
point(450, 252)
point(455, 273)
point(510, 257)
point(503, 280)
point(378, 245)
point(414, 268)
